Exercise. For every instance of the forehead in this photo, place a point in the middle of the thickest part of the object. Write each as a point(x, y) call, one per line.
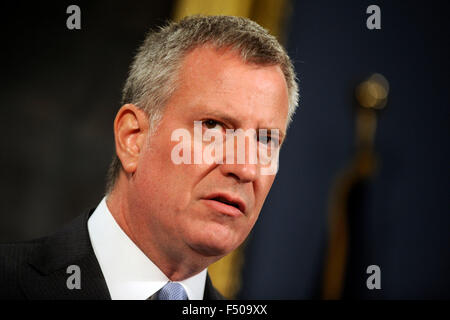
point(219, 81)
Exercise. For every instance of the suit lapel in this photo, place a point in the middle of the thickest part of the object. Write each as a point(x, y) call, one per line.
point(45, 276)
point(210, 292)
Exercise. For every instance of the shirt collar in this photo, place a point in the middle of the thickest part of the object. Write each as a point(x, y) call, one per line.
point(128, 272)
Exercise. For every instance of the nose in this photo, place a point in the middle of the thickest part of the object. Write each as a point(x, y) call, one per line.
point(242, 172)
point(241, 156)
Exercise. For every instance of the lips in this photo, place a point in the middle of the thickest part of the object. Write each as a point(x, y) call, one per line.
point(226, 203)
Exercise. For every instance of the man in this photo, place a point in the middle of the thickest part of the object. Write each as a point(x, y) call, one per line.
point(164, 221)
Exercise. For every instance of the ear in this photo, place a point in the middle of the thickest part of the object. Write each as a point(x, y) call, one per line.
point(130, 131)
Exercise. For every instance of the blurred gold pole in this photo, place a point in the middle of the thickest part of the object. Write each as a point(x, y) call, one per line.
point(271, 14)
point(371, 95)
point(338, 236)
point(212, 7)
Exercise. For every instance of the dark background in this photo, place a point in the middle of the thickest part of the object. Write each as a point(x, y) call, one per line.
point(60, 90)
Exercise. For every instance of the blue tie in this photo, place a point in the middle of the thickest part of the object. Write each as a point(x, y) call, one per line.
point(172, 291)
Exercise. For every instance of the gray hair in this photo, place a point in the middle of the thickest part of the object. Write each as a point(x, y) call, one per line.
point(153, 73)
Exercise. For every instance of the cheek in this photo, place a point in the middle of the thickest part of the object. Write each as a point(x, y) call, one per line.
point(262, 189)
point(160, 178)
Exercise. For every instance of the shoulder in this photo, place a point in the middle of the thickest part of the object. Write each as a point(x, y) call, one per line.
point(13, 258)
point(13, 255)
point(37, 269)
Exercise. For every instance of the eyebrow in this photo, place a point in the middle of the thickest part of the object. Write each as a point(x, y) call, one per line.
point(231, 120)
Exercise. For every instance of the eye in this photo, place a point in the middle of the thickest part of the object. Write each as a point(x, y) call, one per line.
point(265, 139)
point(268, 139)
point(212, 124)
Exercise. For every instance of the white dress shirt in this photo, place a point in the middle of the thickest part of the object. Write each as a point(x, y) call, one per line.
point(129, 273)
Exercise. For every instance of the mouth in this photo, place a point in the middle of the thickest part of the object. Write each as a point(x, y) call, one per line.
point(226, 204)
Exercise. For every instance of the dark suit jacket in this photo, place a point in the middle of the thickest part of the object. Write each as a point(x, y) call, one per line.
point(38, 269)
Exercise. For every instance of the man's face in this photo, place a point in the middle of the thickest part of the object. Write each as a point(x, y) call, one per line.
point(184, 205)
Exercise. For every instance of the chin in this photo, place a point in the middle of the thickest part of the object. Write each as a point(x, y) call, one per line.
point(212, 250)
point(214, 244)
